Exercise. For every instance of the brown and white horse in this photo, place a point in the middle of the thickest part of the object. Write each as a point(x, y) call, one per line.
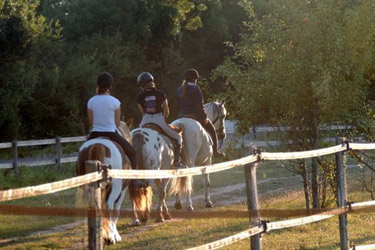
point(113, 192)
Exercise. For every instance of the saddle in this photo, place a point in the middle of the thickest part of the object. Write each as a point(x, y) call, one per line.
point(161, 131)
point(158, 129)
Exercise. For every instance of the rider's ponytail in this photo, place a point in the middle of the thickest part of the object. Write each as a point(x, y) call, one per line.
point(184, 89)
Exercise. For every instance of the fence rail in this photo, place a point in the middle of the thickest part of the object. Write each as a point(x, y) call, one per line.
point(48, 188)
point(58, 159)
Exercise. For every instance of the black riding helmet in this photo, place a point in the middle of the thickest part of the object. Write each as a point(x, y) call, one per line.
point(104, 80)
point(144, 78)
point(191, 75)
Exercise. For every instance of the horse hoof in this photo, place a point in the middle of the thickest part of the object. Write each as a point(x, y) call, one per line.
point(118, 238)
point(135, 223)
point(167, 216)
point(178, 205)
point(108, 242)
point(160, 220)
point(209, 204)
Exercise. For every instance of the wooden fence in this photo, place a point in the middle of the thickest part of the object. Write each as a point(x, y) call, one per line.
point(58, 159)
point(250, 164)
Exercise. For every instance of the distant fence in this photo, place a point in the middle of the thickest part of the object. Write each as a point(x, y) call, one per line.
point(57, 159)
point(250, 163)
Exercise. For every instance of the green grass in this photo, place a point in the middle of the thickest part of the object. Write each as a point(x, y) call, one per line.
point(181, 234)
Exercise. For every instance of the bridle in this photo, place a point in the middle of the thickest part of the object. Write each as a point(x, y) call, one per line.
point(218, 116)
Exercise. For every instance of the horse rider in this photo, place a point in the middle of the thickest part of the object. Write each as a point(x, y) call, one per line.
point(104, 113)
point(190, 104)
point(153, 105)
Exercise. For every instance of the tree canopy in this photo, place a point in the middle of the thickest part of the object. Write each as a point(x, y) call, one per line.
point(52, 51)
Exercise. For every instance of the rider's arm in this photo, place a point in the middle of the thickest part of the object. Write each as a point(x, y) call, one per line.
point(140, 107)
point(165, 109)
point(117, 116)
point(90, 116)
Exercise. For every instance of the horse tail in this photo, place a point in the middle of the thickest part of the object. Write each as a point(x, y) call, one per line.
point(142, 199)
point(140, 196)
point(181, 185)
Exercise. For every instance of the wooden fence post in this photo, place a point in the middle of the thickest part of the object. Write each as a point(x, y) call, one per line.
point(341, 196)
point(15, 158)
point(252, 202)
point(94, 220)
point(58, 152)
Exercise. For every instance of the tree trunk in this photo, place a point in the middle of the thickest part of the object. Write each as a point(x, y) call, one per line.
point(314, 162)
point(305, 185)
point(314, 183)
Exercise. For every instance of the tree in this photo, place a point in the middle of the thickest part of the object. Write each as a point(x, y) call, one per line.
point(21, 29)
point(293, 67)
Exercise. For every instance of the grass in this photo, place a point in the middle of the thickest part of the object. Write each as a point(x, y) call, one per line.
point(181, 234)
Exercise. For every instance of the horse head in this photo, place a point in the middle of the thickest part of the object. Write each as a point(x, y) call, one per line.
point(217, 113)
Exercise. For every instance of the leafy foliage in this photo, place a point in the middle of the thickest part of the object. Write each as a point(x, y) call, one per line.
point(51, 52)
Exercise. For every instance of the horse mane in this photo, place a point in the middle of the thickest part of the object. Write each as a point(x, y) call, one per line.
point(124, 130)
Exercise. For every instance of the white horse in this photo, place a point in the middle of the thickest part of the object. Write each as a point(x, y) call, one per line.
point(154, 152)
point(197, 146)
point(107, 152)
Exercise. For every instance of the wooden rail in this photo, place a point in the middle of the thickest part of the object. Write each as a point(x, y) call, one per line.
point(57, 160)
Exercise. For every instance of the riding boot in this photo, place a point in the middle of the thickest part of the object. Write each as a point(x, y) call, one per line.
point(177, 163)
point(211, 130)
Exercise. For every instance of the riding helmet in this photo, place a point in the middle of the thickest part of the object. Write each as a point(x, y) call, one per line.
point(144, 78)
point(191, 75)
point(104, 80)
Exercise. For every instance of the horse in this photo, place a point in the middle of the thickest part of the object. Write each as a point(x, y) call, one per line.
point(154, 152)
point(197, 146)
point(105, 151)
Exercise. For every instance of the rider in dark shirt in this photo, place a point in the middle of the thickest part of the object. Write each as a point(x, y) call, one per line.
point(153, 105)
point(190, 104)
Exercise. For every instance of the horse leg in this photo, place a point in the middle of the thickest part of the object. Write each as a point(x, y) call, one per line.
point(206, 180)
point(135, 219)
point(116, 215)
point(189, 203)
point(161, 204)
point(113, 196)
point(166, 213)
point(178, 204)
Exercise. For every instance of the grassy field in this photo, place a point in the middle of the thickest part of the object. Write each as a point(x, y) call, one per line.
point(184, 233)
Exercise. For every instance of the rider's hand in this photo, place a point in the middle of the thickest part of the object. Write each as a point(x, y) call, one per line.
point(205, 121)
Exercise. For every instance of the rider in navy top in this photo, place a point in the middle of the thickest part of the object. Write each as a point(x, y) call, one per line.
point(190, 104)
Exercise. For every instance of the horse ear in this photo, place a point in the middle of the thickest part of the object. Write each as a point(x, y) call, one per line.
point(130, 122)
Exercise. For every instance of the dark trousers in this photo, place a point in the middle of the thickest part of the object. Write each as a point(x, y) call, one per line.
point(114, 136)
